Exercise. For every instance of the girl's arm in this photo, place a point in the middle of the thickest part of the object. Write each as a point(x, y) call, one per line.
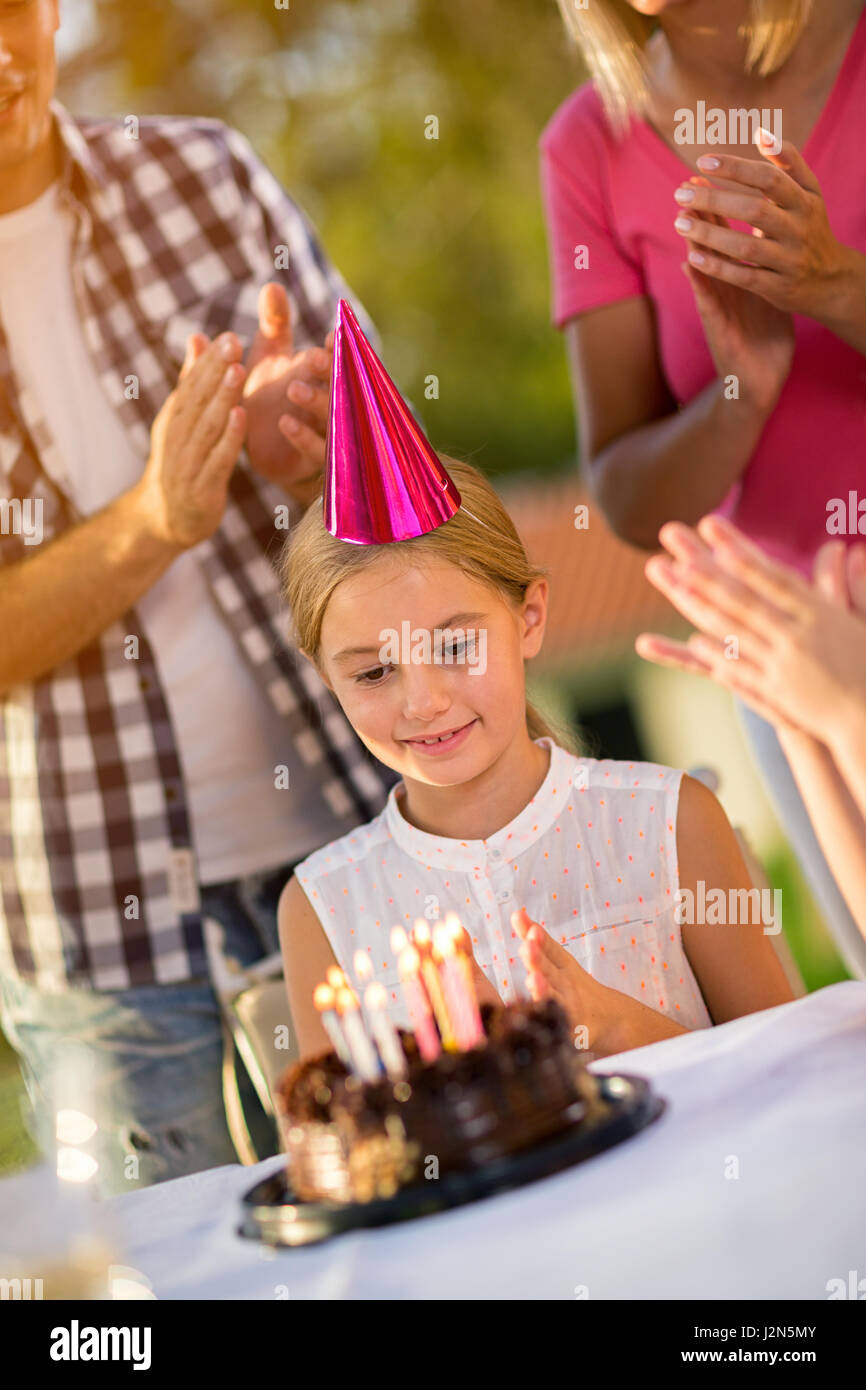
point(836, 818)
point(735, 965)
point(307, 954)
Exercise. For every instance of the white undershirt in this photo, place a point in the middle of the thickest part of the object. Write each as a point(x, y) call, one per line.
point(229, 736)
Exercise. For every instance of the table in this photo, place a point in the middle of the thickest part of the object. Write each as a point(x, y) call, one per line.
point(780, 1095)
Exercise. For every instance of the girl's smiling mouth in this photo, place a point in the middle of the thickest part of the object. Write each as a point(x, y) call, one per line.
point(441, 743)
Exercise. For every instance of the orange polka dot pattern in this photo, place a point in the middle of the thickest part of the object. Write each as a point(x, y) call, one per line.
point(592, 857)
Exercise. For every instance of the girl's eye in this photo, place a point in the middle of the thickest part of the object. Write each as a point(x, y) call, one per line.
point(373, 676)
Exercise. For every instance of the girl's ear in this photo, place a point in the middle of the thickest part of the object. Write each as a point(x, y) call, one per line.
point(534, 614)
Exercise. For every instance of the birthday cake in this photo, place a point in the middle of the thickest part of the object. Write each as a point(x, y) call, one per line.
point(521, 1083)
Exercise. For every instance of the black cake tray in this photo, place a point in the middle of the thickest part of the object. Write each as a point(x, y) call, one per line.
point(272, 1214)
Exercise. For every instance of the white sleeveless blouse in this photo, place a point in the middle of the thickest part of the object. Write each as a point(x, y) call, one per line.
point(592, 858)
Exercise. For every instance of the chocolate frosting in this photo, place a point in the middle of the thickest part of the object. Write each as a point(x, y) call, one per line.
point(347, 1140)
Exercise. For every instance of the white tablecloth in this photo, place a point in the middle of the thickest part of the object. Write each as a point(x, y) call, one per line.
point(782, 1092)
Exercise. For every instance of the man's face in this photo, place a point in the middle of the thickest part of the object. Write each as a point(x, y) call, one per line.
point(28, 73)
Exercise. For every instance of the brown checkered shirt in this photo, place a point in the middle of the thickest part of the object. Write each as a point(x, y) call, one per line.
point(176, 232)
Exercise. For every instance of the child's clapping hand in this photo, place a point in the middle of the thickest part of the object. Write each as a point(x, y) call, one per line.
point(614, 1022)
point(552, 972)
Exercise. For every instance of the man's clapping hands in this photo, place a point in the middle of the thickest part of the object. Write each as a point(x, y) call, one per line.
point(285, 396)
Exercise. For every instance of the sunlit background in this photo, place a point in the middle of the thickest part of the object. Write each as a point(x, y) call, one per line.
point(443, 241)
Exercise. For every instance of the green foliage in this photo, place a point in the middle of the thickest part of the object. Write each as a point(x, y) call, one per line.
point(811, 944)
point(17, 1150)
point(442, 239)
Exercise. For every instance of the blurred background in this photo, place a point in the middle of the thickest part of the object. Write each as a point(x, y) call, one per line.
point(442, 239)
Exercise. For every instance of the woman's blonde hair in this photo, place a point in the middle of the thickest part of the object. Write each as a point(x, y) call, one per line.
point(612, 37)
point(485, 545)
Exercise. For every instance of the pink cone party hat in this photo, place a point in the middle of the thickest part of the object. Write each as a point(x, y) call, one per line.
point(383, 481)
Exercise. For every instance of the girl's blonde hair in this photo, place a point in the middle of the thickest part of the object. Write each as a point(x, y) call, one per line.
point(612, 37)
point(484, 545)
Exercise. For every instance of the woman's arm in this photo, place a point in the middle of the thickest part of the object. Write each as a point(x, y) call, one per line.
point(848, 747)
point(647, 462)
point(735, 965)
point(307, 954)
point(836, 819)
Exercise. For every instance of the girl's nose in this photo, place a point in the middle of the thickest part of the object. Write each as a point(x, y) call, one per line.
point(425, 691)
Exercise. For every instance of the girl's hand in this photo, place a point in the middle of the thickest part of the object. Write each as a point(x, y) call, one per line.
point(793, 261)
point(552, 972)
point(747, 337)
point(797, 657)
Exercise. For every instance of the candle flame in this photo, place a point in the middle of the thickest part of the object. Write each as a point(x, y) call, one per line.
point(399, 940)
point(323, 997)
point(409, 962)
point(347, 1001)
point(336, 977)
point(443, 942)
point(363, 965)
point(375, 996)
point(421, 935)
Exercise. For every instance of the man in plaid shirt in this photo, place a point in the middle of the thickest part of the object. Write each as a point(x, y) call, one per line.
point(165, 755)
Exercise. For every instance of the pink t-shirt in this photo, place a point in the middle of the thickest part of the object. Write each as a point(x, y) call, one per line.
point(615, 197)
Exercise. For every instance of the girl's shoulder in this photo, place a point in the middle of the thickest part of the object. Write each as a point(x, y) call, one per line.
point(623, 776)
point(353, 848)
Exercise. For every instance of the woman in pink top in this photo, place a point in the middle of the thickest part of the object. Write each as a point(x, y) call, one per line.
point(712, 288)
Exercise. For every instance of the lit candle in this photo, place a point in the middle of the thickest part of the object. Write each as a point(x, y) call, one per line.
point(336, 977)
point(418, 1005)
point(399, 942)
point(423, 942)
point(463, 944)
point(384, 1033)
point(363, 967)
point(459, 994)
point(365, 1059)
point(324, 1002)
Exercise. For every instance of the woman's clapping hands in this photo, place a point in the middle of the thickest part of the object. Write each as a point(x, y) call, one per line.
point(790, 649)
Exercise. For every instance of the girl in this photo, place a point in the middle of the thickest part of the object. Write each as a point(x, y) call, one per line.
point(564, 865)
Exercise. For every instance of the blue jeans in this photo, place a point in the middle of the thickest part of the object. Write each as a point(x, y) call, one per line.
point(794, 819)
point(154, 1054)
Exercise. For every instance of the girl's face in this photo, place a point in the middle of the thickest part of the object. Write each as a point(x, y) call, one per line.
point(401, 679)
